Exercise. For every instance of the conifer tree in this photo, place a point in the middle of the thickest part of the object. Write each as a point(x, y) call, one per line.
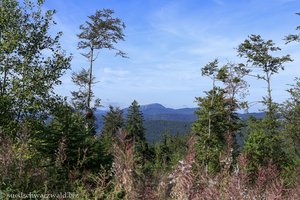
point(81, 79)
point(136, 134)
point(112, 122)
point(210, 128)
point(209, 125)
point(134, 124)
point(291, 130)
point(67, 125)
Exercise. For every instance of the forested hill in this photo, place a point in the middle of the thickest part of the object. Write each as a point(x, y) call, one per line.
point(156, 112)
point(159, 112)
point(159, 119)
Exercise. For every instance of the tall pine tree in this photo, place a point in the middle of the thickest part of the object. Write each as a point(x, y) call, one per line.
point(113, 121)
point(210, 128)
point(136, 133)
point(291, 118)
point(134, 124)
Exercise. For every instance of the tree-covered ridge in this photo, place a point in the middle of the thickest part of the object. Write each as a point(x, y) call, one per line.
point(50, 145)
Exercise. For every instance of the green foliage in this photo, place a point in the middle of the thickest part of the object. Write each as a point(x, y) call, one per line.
point(211, 128)
point(258, 53)
point(293, 37)
point(211, 69)
point(264, 143)
point(155, 129)
point(168, 152)
point(290, 134)
point(64, 144)
point(46, 145)
point(235, 87)
point(291, 113)
point(101, 32)
point(136, 132)
point(68, 146)
point(113, 120)
point(80, 99)
point(32, 62)
point(134, 123)
point(217, 122)
point(28, 75)
point(68, 126)
point(20, 166)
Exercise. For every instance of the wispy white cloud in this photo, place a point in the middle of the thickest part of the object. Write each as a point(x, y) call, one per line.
point(115, 72)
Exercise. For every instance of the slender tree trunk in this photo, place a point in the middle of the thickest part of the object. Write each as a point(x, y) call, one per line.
point(209, 112)
point(90, 78)
point(230, 138)
point(209, 125)
point(270, 101)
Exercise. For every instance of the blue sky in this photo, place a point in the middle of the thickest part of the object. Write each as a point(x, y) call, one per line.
point(168, 41)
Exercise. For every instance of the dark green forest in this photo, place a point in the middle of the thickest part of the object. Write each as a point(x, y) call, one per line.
point(50, 144)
